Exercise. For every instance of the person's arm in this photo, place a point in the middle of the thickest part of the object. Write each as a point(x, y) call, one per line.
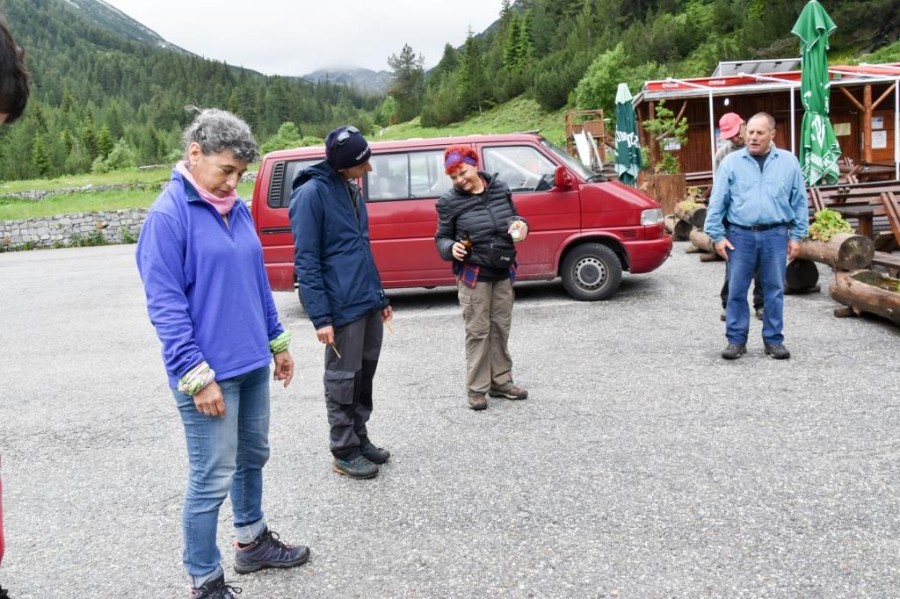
point(716, 211)
point(307, 221)
point(800, 207)
point(718, 206)
point(443, 238)
point(160, 259)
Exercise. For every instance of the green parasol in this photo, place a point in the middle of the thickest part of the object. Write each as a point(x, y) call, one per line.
point(819, 149)
point(628, 147)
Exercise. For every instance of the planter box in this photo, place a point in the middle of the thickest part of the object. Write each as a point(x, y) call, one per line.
point(668, 190)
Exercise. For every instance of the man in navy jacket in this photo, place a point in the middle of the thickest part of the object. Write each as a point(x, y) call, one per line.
point(341, 290)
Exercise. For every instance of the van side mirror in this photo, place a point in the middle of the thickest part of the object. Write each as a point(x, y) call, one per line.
point(562, 180)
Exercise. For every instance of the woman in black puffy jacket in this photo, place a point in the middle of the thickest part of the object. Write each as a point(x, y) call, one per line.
point(477, 228)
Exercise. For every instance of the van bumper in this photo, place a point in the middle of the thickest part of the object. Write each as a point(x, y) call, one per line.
point(646, 256)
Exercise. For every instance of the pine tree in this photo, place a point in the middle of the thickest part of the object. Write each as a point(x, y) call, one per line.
point(408, 85)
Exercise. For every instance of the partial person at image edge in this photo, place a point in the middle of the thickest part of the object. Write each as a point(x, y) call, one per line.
point(14, 91)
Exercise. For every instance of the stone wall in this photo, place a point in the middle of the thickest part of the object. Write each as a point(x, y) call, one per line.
point(68, 230)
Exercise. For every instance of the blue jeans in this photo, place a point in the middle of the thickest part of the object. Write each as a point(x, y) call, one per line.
point(225, 454)
point(766, 251)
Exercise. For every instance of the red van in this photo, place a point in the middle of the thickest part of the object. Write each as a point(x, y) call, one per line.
point(582, 227)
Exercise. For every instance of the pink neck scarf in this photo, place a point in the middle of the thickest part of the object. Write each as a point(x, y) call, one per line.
point(222, 205)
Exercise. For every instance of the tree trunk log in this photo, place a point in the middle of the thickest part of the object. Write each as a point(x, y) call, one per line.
point(868, 291)
point(801, 276)
point(696, 215)
point(702, 241)
point(844, 251)
point(676, 227)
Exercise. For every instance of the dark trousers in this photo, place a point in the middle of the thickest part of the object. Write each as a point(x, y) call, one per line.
point(757, 290)
point(348, 382)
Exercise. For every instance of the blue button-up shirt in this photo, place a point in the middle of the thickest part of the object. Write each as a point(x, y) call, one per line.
point(745, 196)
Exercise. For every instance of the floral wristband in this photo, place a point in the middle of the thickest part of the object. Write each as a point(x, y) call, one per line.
point(196, 378)
point(280, 343)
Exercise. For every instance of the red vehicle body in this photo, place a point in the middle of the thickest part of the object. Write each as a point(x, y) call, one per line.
point(582, 227)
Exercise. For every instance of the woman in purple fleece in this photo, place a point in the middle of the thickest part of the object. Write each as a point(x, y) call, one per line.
point(210, 301)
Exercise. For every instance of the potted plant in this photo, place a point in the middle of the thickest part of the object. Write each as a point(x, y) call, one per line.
point(668, 134)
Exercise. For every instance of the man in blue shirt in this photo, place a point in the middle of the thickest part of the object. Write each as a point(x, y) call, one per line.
point(759, 190)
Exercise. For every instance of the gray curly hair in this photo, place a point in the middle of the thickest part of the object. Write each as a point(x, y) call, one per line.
point(219, 130)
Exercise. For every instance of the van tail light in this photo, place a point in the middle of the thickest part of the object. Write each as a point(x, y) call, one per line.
point(562, 180)
point(653, 216)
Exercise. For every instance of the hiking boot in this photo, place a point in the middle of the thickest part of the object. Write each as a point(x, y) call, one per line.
point(268, 552)
point(376, 455)
point(478, 401)
point(760, 312)
point(734, 351)
point(213, 589)
point(779, 352)
point(358, 467)
point(511, 392)
point(723, 316)
point(3, 593)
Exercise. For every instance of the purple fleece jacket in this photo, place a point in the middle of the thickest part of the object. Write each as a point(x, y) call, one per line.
point(207, 291)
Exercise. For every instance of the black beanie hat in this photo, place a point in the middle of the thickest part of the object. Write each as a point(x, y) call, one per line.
point(345, 147)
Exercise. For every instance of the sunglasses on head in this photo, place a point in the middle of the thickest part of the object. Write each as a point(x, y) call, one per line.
point(344, 135)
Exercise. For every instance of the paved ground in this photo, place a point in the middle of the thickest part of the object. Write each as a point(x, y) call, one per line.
point(642, 466)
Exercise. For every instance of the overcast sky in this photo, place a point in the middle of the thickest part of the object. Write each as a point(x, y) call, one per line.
point(287, 37)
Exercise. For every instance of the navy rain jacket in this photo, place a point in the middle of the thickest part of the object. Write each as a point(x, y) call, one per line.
point(339, 282)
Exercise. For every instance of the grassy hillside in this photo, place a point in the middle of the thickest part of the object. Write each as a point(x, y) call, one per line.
point(517, 115)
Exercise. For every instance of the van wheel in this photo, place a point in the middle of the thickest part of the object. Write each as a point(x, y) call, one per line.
point(591, 272)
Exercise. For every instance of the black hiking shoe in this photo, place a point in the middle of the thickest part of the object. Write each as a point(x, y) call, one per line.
point(376, 455)
point(268, 552)
point(216, 588)
point(779, 352)
point(734, 351)
point(358, 467)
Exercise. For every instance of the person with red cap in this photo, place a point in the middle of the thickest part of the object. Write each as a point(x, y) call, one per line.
point(14, 92)
point(732, 129)
point(731, 134)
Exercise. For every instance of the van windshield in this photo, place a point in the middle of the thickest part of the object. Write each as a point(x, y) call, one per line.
point(570, 161)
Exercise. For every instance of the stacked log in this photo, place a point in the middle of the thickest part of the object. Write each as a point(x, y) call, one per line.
point(695, 215)
point(677, 228)
point(844, 251)
point(866, 291)
point(854, 285)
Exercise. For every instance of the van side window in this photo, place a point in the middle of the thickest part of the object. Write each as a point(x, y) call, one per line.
point(406, 175)
point(283, 174)
point(522, 168)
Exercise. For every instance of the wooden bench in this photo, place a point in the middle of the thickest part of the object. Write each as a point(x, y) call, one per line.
point(863, 205)
point(892, 211)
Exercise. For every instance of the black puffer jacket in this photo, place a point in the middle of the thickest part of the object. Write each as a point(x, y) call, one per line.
point(483, 216)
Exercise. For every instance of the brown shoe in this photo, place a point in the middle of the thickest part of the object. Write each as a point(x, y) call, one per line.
point(478, 401)
point(511, 392)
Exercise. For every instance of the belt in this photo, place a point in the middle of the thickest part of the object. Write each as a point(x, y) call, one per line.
point(761, 227)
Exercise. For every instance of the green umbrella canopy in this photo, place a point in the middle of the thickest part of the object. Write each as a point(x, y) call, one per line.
point(819, 148)
point(628, 147)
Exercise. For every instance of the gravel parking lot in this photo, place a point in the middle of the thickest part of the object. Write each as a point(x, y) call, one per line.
point(643, 465)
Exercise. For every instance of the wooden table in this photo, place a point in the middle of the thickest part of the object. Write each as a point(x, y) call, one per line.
point(864, 215)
